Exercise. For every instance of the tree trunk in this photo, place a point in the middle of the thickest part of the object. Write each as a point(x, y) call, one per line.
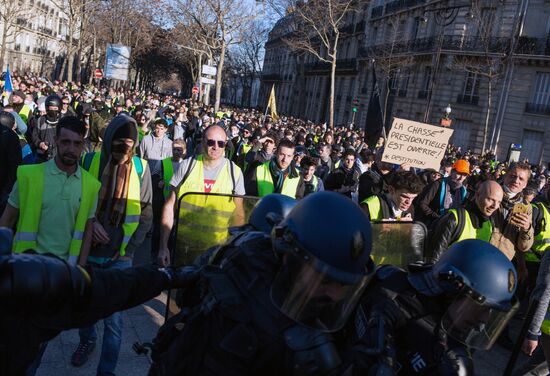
point(62, 68)
point(79, 53)
point(3, 45)
point(487, 115)
point(219, 78)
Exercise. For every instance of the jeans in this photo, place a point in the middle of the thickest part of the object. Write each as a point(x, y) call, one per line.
point(112, 333)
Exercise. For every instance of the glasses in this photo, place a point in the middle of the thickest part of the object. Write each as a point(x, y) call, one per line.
point(64, 103)
point(211, 143)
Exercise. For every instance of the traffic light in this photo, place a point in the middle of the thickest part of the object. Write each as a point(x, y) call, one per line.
point(355, 104)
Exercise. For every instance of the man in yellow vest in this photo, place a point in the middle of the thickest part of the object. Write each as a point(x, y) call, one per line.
point(396, 205)
point(54, 204)
point(123, 218)
point(203, 220)
point(279, 175)
point(474, 221)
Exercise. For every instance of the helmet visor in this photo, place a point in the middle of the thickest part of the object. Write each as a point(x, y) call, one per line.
point(474, 323)
point(306, 290)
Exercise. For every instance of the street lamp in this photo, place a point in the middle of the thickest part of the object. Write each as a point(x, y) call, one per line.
point(446, 120)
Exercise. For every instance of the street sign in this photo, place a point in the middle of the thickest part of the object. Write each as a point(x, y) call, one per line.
point(208, 81)
point(98, 73)
point(195, 90)
point(209, 70)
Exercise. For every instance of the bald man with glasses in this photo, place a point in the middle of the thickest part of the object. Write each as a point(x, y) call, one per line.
point(202, 220)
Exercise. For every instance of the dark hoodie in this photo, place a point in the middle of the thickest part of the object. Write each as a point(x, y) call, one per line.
point(102, 253)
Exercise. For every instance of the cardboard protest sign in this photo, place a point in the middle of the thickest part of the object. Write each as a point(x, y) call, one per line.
point(421, 145)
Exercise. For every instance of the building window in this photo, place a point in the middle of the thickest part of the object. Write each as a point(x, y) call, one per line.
point(426, 82)
point(531, 146)
point(470, 92)
point(540, 102)
point(461, 134)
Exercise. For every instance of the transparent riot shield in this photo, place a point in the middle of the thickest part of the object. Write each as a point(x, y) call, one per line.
point(398, 243)
point(203, 221)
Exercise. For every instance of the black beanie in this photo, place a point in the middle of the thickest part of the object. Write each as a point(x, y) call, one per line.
point(126, 130)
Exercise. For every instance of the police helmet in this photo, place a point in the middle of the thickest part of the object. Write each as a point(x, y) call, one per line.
point(325, 242)
point(53, 101)
point(7, 119)
point(479, 283)
point(269, 210)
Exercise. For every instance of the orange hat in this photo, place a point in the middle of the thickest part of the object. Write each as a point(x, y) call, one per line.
point(462, 166)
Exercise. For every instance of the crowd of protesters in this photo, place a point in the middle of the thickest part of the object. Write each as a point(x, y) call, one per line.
point(470, 196)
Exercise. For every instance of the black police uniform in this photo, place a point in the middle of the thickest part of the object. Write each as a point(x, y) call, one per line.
point(42, 296)
point(233, 328)
point(396, 331)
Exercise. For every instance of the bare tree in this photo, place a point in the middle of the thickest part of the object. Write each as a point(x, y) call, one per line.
point(14, 15)
point(488, 60)
point(217, 24)
point(392, 62)
point(317, 31)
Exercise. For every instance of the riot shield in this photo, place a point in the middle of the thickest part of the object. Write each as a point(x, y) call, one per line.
point(203, 220)
point(398, 243)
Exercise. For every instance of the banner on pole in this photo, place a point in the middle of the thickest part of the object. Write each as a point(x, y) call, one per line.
point(117, 62)
point(418, 144)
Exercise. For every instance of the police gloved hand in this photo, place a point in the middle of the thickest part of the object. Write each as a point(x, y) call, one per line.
point(455, 362)
point(183, 276)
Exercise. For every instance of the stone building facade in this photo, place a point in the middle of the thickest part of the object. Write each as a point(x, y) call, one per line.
point(37, 36)
point(489, 60)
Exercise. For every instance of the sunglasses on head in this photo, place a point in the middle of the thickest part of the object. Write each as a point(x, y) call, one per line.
point(211, 143)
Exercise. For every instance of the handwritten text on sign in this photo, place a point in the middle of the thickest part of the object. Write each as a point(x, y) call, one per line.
point(421, 145)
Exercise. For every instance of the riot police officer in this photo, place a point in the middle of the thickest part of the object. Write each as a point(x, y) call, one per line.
point(425, 322)
point(43, 295)
point(269, 306)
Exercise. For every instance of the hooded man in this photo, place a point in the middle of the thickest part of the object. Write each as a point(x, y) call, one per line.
point(123, 218)
point(443, 194)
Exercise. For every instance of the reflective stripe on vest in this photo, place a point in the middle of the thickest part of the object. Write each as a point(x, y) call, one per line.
point(30, 180)
point(167, 173)
point(133, 201)
point(204, 220)
point(266, 186)
point(375, 209)
point(542, 240)
point(469, 231)
point(24, 113)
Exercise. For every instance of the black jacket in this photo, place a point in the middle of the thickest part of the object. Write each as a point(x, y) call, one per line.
point(10, 159)
point(342, 181)
point(372, 183)
point(35, 310)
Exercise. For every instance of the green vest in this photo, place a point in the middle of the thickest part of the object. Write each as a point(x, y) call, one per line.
point(167, 173)
point(266, 186)
point(133, 200)
point(469, 231)
point(30, 180)
point(542, 240)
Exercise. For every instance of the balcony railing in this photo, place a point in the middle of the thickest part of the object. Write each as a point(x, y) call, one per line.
point(533, 46)
point(323, 67)
point(398, 5)
point(429, 45)
point(467, 99)
point(537, 108)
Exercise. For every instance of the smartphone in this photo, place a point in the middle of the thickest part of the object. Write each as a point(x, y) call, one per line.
point(520, 208)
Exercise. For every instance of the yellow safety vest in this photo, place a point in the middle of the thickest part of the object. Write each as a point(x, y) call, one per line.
point(469, 231)
point(30, 180)
point(167, 173)
point(133, 201)
point(25, 112)
point(204, 219)
point(266, 186)
point(542, 240)
point(375, 209)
